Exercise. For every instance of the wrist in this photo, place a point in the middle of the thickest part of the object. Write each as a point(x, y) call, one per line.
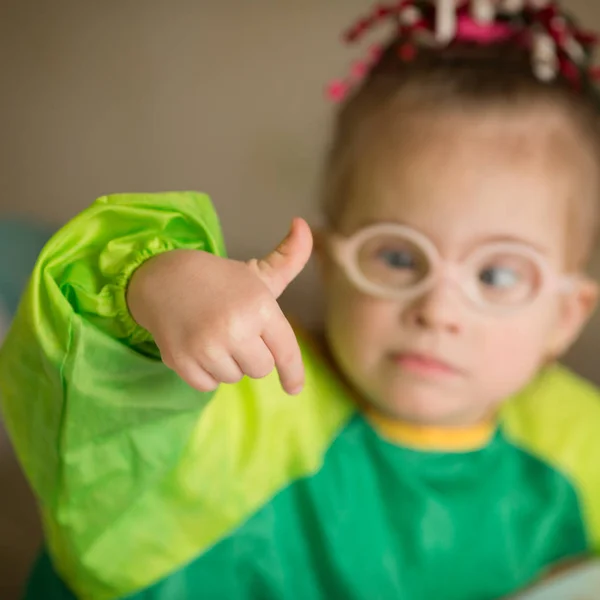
point(147, 284)
point(139, 290)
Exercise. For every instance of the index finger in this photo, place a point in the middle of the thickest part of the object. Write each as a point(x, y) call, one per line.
point(281, 341)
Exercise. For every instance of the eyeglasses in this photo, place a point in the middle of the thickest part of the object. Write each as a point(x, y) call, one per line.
point(396, 262)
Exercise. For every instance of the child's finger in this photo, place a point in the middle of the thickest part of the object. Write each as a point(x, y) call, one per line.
point(255, 359)
point(281, 341)
point(278, 269)
point(222, 368)
point(195, 376)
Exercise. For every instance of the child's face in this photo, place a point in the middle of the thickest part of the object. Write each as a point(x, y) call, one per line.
point(437, 359)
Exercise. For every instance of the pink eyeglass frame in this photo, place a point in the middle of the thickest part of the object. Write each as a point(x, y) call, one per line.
point(344, 251)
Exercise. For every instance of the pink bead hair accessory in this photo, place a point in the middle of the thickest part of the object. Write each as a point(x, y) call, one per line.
point(556, 44)
point(469, 30)
point(339, 88)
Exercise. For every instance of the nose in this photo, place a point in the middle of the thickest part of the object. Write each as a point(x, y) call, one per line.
point(439, 310)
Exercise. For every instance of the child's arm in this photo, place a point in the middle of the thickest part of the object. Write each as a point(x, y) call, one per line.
point(75, 366)
point(94, 417)
point(100, 424)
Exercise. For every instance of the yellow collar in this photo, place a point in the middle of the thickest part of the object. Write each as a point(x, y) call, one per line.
point(431, 438)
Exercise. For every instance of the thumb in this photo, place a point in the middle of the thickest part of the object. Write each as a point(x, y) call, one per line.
point(279, 268)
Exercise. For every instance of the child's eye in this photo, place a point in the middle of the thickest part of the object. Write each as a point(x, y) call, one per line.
point(499, 277)
point(398, 259)
point(393, 263)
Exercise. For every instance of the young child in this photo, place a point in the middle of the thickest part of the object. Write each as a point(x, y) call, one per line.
point(428, 447)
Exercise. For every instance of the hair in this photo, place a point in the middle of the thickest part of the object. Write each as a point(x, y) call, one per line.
point(463, 76)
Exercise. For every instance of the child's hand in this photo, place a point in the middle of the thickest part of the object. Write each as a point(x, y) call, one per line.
point(215, 320)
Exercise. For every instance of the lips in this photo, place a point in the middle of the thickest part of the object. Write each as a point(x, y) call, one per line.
point(424, 364)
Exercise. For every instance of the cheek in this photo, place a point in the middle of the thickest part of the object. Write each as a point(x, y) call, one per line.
point(512, 351)
point(358, 327)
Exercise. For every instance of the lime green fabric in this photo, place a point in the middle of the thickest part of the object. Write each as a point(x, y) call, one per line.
point(381, 521)
point(558, 419)
point(96, 420)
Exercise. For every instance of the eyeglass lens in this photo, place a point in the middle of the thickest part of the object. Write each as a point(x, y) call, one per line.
point(501, 277)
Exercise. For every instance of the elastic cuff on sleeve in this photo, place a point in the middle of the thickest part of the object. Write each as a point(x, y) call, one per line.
point(135, 333)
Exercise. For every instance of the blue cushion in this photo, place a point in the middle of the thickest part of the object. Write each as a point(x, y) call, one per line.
point(20, 244)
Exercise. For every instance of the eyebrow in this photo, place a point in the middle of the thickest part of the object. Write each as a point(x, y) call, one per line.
point(512, 239)
point(494, 238)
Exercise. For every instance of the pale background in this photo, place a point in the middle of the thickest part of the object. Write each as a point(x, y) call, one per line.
point(222, 96)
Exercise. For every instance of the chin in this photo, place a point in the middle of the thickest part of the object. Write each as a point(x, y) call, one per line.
point(428, 408)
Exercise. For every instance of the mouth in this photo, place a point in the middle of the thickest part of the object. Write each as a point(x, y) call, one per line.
point(424, 365)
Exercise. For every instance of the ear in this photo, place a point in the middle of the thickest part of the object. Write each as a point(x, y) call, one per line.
point(576, 309)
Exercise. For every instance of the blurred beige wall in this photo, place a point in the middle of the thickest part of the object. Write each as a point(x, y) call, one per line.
point(100, 96)
point(143, 95)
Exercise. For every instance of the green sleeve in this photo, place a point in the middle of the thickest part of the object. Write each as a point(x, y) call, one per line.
point(96, 419)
